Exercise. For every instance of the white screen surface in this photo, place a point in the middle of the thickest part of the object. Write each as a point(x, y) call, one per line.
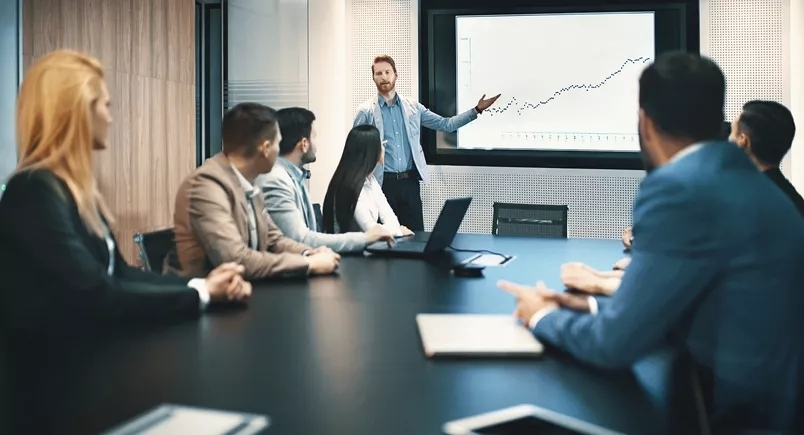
point(569, 82)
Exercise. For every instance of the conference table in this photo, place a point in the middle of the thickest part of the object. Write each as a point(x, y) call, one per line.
point(342, 355)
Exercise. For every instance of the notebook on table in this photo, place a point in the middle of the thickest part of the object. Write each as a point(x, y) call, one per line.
point(476, 335)
point(170, 419)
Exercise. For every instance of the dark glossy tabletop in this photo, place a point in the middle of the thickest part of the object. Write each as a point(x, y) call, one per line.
point(342, 355)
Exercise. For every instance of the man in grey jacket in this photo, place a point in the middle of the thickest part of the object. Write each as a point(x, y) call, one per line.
point(400, 120)
point(287, 199)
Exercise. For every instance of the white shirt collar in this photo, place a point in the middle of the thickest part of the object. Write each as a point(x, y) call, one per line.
point(245, 184)
point(685, 152)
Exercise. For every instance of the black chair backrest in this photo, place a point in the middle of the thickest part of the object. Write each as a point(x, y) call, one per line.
point(531, 220)
point(669, 376)
point(319, 217)
point(154, 247)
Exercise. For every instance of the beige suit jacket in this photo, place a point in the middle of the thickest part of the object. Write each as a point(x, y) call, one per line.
point(211, 226)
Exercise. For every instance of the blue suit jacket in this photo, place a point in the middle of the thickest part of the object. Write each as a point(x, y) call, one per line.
point(718, 265)
point(416, 116)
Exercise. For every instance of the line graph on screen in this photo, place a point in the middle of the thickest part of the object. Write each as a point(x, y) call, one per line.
point(519, 106)
point(571, 83)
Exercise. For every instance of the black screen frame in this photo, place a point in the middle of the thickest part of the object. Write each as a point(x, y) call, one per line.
point(688, 39)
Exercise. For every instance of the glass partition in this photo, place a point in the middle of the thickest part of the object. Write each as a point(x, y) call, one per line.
point(266, 53)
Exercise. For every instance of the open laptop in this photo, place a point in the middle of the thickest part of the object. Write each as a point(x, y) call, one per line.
point(423, 244)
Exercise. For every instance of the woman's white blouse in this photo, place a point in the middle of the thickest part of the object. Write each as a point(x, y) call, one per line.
point(372, 208)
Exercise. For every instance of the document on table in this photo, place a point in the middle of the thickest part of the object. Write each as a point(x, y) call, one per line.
point(176, 419)
point(490, 260)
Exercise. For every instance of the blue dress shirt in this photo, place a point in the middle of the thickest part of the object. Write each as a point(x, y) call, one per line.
point(398, 155)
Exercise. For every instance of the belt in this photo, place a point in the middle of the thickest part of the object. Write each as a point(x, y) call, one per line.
point(401, 175)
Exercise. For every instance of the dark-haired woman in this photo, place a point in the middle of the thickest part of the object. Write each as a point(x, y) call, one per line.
point(354, 199)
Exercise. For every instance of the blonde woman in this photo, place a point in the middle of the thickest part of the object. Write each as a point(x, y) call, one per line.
point(58, 258)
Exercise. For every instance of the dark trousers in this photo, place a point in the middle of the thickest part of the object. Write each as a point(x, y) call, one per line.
point(404, 196)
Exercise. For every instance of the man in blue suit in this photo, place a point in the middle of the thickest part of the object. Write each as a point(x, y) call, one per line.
point(716, 264)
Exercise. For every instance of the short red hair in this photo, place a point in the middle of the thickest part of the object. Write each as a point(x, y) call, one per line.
point(383, 58)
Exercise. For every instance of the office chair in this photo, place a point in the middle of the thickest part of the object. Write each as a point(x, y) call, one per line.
point(530, 220)
point(154, 247)
point(670, 379)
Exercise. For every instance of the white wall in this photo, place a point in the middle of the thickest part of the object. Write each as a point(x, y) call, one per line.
point(796, 103)
point(755, 56)
point(9, 83)
point(327, 24)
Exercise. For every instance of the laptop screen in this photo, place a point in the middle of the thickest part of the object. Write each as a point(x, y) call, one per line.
point(447, 224)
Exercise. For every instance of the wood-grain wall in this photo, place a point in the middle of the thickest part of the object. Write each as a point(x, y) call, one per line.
point(148, 50)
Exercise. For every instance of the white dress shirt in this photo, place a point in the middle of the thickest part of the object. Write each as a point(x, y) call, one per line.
point(685, 152)
point(373, 208)
point(250, 190)
point(534, 319)
point(593, 307)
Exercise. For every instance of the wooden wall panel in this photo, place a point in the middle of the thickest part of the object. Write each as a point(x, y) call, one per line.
point(139, 147)
point(157, 142)
point(68, 31)
point(159, 57)
point(186, 53)
point(44, 24)
point(109, 35)
point(27, 35)
point(142, 52)
point(173, 22)
point(185, 163)
point(121, 149)
point(148, 51)
point(123, 34)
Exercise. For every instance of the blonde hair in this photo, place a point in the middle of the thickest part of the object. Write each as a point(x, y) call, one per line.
point(55, 110)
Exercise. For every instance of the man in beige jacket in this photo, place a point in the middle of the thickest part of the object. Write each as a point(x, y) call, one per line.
point(220, 216)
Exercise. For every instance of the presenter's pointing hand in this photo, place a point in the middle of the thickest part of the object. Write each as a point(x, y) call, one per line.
point(484, 103)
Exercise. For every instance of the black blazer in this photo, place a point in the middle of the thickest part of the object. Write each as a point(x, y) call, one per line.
point(775, 174)
point(53, 269)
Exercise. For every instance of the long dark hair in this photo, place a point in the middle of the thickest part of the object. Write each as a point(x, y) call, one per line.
point(360, 156)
